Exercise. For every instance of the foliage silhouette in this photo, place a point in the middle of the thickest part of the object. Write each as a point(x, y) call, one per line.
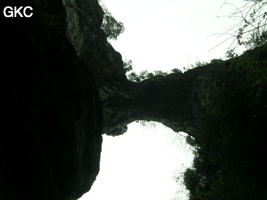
point(111, 26)
point(230, 150)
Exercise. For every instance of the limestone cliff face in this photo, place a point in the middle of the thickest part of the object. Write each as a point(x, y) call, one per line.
point(176, 100)
point(171, 100)
point(51, 114)
point(63, 85)
point(58, 82)
point(84, 19)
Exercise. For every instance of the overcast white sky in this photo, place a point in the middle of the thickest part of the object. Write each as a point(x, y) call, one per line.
point(159, 35)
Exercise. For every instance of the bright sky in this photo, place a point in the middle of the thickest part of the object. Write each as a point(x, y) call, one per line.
point(140, 165)
point(159, 35)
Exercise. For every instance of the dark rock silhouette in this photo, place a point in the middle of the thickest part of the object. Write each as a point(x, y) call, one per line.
point(63, 85)
point(51, 115)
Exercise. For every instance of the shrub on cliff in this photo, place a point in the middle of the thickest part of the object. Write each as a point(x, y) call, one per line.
point(111, 26)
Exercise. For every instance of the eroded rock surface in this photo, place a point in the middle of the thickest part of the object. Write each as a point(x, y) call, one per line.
point(51, 115)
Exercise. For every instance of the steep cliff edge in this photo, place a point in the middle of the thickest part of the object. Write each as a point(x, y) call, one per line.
point(84, 19)
point(51, 115)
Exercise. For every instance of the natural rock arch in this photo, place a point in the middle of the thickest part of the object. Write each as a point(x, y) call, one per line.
point(174, 100)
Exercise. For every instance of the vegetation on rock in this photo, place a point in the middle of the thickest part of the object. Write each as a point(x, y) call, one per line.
point(51, 94)
point(111, 26)
point(230, 149)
